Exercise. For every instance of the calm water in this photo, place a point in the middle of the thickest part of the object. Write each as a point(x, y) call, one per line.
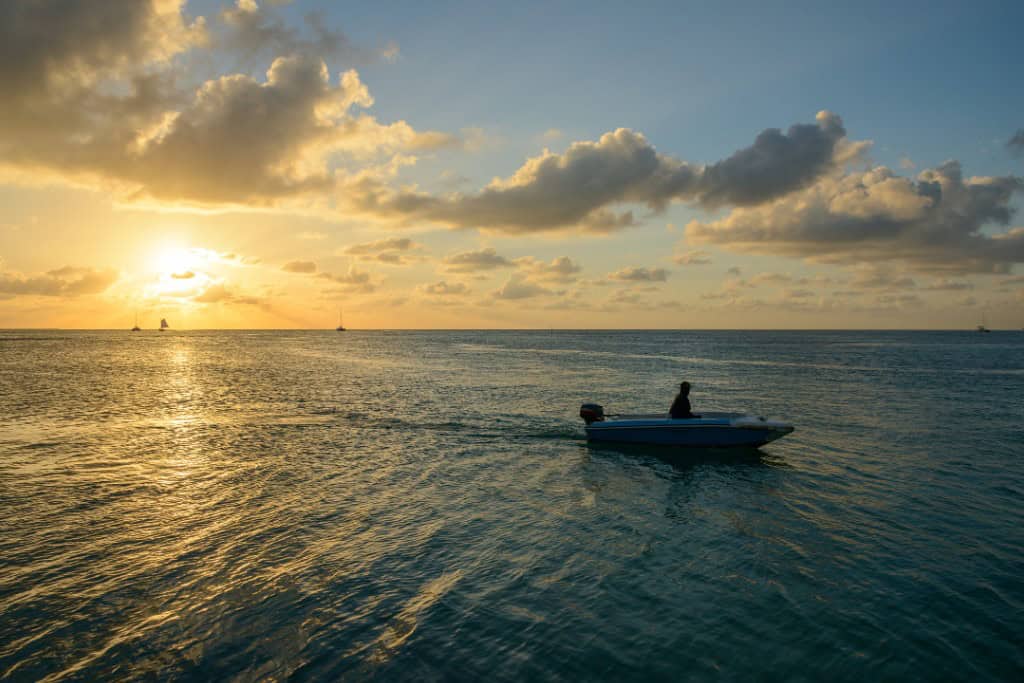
point(418, 506)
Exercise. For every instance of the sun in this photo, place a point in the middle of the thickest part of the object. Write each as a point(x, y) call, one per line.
point(179, 272)
point(174, 261)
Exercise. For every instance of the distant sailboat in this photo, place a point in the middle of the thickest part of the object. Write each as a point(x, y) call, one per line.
point(136, 328)
point(981, 327)
point(164, 325)
point(341, 326)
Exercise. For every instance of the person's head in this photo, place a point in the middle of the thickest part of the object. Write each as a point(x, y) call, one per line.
point(684, 388)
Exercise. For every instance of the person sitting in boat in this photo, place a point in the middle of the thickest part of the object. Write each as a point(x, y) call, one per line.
point(680, 409)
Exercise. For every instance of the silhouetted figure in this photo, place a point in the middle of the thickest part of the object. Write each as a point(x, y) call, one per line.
point(680, 409)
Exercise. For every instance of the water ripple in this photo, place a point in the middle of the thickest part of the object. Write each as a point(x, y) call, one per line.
point(412, 506)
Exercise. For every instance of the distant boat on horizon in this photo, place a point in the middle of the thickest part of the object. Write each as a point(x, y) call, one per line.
point(981, 327)
point(136, 328)
point(341, 326)
point(164, 325)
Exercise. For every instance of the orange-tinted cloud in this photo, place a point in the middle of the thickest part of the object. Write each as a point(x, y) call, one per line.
point(68, 281)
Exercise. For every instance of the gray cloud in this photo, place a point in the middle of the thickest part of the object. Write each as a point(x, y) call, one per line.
point(354, 280)
point(299, 267)
point(517, 287)
point(56, 59)
point(639, 275)
point(67, 281)
point(254, 31)
point(389, 244)
point(472, 261)
point(881, 277)
point(57, 48)
point(444, 288)
point(933, 223)
point(576, 188)
point(771, 279)
point(776, 164)
point(251, 30)
point(1016, 143)
point(899, 301)
point(948, 286)
point(560, 269)
point(391, 251)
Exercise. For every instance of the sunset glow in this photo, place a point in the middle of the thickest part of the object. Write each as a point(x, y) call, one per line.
point(247, 165)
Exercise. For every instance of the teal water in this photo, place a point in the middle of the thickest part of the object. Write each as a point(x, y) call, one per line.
point(422, 506)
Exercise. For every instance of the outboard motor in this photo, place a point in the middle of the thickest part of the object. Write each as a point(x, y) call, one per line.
point(591, 412)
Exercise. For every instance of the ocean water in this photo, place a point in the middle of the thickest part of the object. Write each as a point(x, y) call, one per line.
point(423, 506)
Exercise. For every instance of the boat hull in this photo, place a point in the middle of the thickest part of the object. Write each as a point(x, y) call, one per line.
point(738, 432)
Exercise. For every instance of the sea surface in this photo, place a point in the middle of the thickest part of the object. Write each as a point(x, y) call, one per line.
point(424, 506)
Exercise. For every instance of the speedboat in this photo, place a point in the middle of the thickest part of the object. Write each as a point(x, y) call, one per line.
point(709, 430)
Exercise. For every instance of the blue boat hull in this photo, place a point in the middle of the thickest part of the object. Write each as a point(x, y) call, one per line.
point(694, 433)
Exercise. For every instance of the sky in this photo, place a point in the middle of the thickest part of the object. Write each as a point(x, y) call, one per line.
point(257, 164)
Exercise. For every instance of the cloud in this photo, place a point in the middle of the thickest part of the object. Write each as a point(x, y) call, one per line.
point(639, 275)
point(576, 188)
point(390, 251)
point(68, 281)
point(933, 223)
point(354, 280)
point(473, 261)
point(299, 267)
point(220, 294)
point(880, 277)
point(312, 236)
point(187, 275)
point(771, 279)
point(57, 49)
point(253, 31)
point(693, 258)
point(948, 286)
point(1016, 143)
point(444, 288)
point(899, 301)
point(389, 244)
point(90, 93)
point(560, 269)
point(517, 287)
